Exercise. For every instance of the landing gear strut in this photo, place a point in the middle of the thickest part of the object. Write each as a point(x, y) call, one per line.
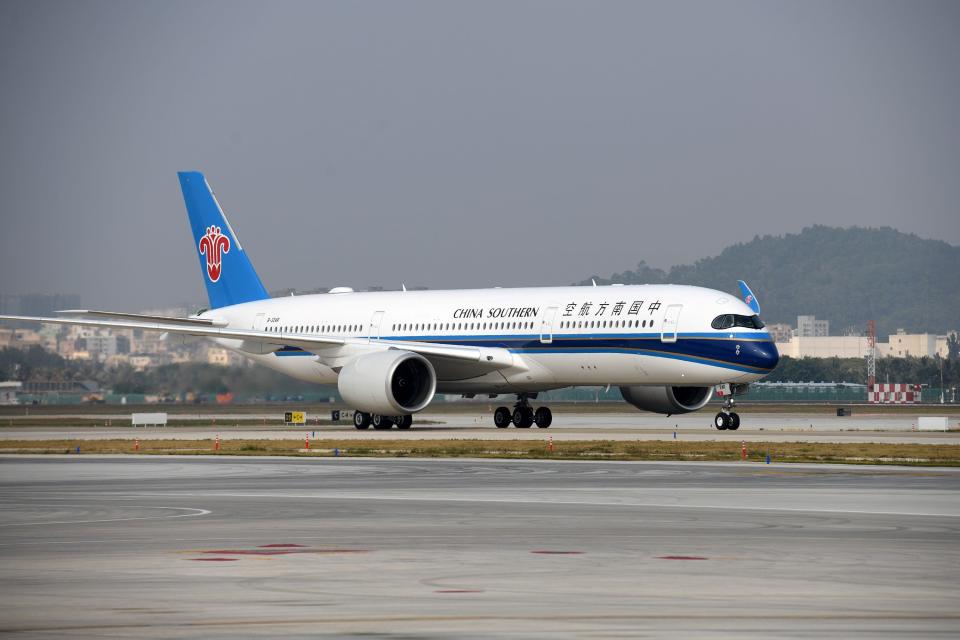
point(523, 416)
point(727, 418)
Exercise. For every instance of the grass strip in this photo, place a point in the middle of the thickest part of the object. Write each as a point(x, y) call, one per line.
point(844, 453)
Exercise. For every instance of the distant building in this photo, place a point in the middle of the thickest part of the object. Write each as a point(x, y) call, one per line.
point(810, 327)
point(824, 347)
point(139, 363)
point(9, 391)
point(36, 387)
point(780, 332)
point(101, 346)
point(218, 357)
point(904, 345)
point(224, 357)
point(24, 338)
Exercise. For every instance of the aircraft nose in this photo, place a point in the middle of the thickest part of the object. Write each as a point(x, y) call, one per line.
point(766, 354)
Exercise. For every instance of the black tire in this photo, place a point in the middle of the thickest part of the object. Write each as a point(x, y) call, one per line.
point(381, 423)
point(543, 417)
point(721, 421)
point(734, 422)
point(502, 418)
point(523, 418)
point(403, 422)
point(361, 420)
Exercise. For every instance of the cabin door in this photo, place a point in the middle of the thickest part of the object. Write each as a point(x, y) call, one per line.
point(668, 330)
point(375, 322)
point(546, 326)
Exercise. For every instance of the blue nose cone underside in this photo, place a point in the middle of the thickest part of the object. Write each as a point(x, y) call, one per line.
point(765, 354)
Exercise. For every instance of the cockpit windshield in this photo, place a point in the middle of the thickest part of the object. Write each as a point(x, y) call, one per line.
point(730, 320)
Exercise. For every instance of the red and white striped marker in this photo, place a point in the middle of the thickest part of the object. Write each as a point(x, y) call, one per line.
point(136, 444)
point(307, 441)
point(743, 449)
point(550, 443)
point(216, 443)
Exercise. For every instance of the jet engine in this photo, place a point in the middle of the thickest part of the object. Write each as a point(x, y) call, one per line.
point(668, 400)
point(388, 383)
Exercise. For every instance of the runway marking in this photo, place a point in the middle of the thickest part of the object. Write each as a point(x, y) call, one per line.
point(197, 512)
point(281, 552)
point(681, 558)
point(542, 501)
point(867, 616)
point(214, 559)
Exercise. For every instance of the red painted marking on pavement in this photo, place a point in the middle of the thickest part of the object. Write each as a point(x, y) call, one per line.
point(213, 559)
point(682, 558)
point(548, 552)
point(280, 546)
point(459, 591)
point(280, 552)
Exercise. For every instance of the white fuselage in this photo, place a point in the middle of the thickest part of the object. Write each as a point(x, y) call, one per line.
point(558, 336)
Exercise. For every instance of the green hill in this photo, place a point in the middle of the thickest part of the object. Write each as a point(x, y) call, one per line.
point(846, 276)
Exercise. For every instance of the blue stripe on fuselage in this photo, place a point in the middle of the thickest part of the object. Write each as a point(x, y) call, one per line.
point(747, 352)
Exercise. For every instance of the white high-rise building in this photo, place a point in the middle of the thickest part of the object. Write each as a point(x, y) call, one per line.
point(810, 327)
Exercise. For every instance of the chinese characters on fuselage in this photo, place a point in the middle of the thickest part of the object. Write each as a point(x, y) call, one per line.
point(601, 308)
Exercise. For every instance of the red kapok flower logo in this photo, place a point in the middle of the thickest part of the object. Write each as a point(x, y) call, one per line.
point(213, 245)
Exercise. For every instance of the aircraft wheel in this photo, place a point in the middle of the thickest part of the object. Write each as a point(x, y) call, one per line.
point(721, 422)
point(361, 420)
point(502, 417)
point(543, 417)
point(381, 422)
point(522, 417)
point(403, 422)
point(734, 422)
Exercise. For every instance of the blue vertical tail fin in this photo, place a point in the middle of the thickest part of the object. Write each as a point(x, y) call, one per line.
point(227, 272)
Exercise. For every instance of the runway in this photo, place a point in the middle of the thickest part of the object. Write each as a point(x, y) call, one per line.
point(568, 425)
point(226, 548)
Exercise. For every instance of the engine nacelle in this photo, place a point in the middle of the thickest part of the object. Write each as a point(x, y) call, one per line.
point(388, 383)
point(667, 400)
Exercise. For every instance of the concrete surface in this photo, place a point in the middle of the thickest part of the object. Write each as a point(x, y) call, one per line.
point(179, 547)
point(755, 426)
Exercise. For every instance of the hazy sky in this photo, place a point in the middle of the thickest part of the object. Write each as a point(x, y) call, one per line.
point(453, 144)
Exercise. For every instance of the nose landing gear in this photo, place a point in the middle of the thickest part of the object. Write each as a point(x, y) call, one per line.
point(523, 416)
point(727, 418)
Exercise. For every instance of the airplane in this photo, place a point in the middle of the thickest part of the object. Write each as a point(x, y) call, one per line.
point(667, 347)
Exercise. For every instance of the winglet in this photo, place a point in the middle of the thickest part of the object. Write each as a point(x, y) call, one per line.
point(748, 296)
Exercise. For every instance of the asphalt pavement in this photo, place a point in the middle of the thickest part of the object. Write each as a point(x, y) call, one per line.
point(184, 547)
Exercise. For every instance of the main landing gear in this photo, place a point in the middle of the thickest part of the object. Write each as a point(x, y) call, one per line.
point(727, 419)
point(523, 416)
point(363, 420)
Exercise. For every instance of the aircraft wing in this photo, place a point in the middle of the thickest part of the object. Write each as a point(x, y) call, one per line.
point(114, 315)
point(491, 358)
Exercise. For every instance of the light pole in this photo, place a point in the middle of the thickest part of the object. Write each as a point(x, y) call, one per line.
point(941, 377)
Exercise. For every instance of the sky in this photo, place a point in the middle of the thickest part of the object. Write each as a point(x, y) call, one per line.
point(461, 144)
